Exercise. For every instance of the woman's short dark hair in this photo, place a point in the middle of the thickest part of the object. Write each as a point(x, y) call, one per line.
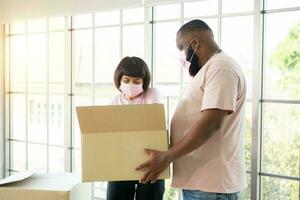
point(134, 67)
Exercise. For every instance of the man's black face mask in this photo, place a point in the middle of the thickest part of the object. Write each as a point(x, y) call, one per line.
point(194, 60)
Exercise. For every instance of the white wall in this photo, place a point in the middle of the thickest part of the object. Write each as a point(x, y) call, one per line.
point(20, 9)
point(160, 2)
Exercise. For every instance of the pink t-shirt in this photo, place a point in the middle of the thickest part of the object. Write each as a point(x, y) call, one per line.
point(218, 165)
point(151, 95)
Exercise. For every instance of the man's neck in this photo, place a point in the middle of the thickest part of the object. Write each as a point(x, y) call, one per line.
point(210, 53)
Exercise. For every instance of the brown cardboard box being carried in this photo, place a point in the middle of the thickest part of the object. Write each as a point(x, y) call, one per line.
point(42, 186)
point(114, 138)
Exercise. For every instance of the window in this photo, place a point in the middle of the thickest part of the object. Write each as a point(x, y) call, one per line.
point(37, 90)
point(280, 102)
point(59, 63)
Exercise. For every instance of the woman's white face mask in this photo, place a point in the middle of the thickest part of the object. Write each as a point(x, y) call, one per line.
point(131, 90)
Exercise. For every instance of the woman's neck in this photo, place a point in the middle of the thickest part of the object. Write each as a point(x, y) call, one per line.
point(131, 98)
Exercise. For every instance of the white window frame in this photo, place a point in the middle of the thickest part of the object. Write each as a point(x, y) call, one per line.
point(257, 99)
point(2, 107)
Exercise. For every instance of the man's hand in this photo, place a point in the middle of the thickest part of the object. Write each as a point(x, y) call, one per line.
point(157, 163)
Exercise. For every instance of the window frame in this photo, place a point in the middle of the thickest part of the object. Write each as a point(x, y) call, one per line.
point(259, 14)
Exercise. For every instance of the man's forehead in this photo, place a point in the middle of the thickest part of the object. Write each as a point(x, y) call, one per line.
point(182, 39)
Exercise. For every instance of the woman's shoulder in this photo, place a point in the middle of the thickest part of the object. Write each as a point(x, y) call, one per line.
point(152, 95)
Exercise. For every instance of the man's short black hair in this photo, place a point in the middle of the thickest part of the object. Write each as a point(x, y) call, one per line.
point(194, 25)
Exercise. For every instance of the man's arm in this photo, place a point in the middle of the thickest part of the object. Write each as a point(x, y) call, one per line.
point(207, 125)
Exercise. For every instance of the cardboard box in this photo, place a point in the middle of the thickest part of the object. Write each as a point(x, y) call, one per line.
point(61, 186)
point(114, 138)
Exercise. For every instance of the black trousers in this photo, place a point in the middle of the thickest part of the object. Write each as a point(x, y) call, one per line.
point(127, 190)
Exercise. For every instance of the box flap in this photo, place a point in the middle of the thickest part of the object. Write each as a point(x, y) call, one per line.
point(118, 118)
point(50, 182)
point(17, 177)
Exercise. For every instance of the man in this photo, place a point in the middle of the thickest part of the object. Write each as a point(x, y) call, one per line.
point(207, 126)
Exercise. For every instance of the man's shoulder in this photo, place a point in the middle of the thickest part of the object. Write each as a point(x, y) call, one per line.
point(224, 62)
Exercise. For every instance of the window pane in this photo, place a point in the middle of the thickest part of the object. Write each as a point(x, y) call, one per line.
point(103, 100)
point(77, 161)
point(167, 12)
point(37, 25)
point(56, 23)
point(248, 135)
point(165, 100)
point(201, 8)
point(133, 15)
point(56, 159)
point(56, 120)
point(171, 193)
point(83, 56)
point(237, 6)
point(167, 67)
point(37, 156)
point(57, 62)
point(83, 21)
point(281, 139)
point(168, 89)
point(107, 18)
point(37, 62)
point(107, 55)
point(17, 27)
point(274, 188)
point(107, 90)
point(77, 133)
point(282, 60)
point(37, 118)
point(246, 194)
point(239, 44)
point(133, 41)
point(170, 104)
point(79, 101)
point(100, 190)
point(18, 63)
point(274, 4)
point(18, 156)
point(18, 116)
point(6, 29)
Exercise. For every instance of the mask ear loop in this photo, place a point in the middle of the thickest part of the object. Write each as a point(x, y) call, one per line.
point(193, 53)
point(183, 58)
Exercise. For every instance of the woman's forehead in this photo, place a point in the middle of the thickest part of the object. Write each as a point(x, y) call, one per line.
point(130, 77)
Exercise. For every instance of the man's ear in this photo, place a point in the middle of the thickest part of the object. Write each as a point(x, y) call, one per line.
point(196, 43)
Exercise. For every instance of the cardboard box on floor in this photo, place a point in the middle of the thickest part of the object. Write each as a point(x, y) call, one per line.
point(114, 138)
point(61, 186)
